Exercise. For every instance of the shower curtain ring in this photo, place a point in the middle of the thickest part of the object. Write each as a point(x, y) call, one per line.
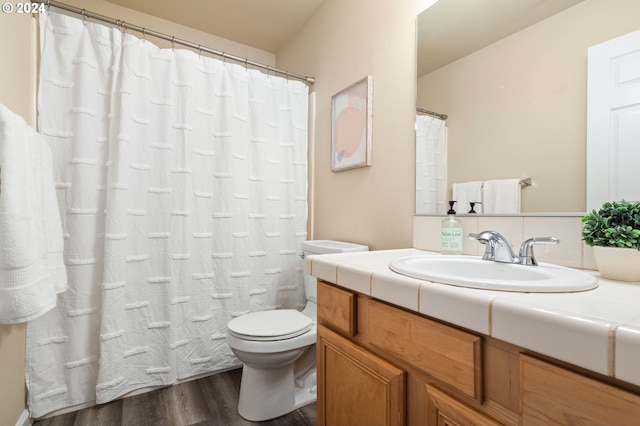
point(173, 42)
point(144, 33)
point(84, 17)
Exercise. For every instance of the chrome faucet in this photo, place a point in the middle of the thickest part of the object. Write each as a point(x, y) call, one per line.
point(499, 250)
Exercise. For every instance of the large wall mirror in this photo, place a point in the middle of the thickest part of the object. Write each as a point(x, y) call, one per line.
point(511, 76)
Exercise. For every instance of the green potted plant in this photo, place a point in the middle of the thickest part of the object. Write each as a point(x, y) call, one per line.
point(614, 233)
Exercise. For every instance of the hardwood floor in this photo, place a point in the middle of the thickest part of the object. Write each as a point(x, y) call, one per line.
point(208, 401)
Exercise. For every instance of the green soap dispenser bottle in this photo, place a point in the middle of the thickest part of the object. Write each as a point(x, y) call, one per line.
point(451, 233)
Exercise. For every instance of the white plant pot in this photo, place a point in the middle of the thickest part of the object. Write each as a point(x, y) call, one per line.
point(617, 263)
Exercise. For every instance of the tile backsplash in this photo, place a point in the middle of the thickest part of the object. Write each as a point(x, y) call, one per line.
point(571, 251)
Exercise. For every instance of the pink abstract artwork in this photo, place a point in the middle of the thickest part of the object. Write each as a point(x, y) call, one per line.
point(351, 121)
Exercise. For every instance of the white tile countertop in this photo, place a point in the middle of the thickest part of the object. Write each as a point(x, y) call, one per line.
point(597, 329)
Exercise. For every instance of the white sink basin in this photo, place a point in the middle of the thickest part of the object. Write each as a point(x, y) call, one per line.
point(473, 272)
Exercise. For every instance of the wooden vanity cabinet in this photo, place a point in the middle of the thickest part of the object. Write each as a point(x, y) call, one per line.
point(383, 365)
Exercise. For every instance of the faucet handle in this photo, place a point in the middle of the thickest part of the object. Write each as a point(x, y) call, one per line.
point(483, 236)
point(487, 238)
point(526, 249)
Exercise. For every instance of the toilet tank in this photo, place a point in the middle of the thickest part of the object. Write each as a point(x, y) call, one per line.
point(313, 247)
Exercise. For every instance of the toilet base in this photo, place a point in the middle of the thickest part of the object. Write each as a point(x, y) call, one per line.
point(273, 392)
point(266, 394)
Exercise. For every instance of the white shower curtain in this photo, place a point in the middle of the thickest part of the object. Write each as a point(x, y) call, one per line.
point(431, 165)
point(182, 185)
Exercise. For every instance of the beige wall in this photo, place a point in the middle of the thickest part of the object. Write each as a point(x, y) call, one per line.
point(12, 388)
point(518, 107)
point(16, 94)
point(343, 42)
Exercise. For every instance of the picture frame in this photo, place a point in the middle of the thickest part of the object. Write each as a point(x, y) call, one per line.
point(351, 124)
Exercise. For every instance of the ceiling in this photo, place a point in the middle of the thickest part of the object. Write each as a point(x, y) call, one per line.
point(452, 29)
point(447, 31)
point(262, 24)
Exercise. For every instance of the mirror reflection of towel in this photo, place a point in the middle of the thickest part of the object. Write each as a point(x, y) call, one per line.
point(501, 196)
point(467, 192)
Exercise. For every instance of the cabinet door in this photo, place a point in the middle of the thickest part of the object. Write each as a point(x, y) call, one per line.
point(356, 387)
point(553, 395)
point(444, 410)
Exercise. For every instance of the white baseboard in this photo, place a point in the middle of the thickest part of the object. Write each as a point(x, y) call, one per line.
point(24, 419)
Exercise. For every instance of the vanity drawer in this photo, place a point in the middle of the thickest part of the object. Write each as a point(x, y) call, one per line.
point(554, 395)
point(446, 353)
point(337, 308)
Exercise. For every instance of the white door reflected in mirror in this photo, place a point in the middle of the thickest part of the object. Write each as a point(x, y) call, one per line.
point(613, 121)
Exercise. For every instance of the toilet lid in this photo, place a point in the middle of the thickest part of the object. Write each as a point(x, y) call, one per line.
point(277, 324)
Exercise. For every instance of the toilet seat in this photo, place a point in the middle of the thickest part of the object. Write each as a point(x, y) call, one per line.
point(279, 324)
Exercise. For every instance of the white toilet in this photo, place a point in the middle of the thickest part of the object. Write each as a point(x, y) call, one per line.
point(278, 349)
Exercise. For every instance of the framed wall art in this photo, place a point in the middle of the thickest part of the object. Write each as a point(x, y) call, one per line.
point(351, 121)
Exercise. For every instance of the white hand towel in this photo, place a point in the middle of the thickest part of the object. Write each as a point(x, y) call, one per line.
point(32, 269)
point(467, 192)
point(501, 196)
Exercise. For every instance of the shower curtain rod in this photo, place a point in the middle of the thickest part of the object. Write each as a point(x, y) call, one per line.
point(174, 40)
point(434, 114)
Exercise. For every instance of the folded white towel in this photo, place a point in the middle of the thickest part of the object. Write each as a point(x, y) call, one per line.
point(467, 192)
point(32, 269)
point(501, 196)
